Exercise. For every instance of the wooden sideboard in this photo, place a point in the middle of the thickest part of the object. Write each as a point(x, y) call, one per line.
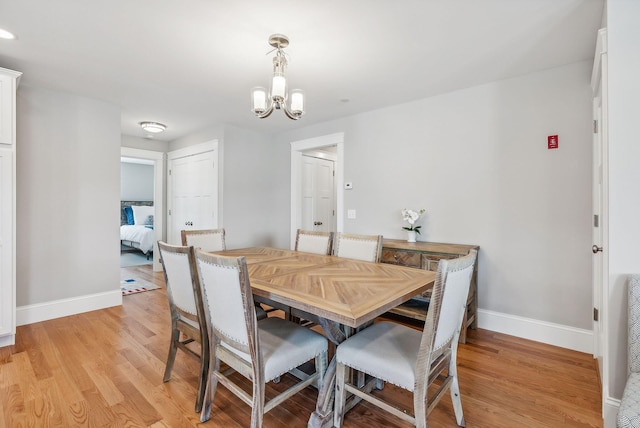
point(426, 255)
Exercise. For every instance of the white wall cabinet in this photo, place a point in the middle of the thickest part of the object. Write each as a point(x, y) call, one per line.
point(8, 86)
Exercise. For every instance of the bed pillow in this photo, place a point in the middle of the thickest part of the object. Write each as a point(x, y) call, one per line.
point(140, 214)
point(128, 212)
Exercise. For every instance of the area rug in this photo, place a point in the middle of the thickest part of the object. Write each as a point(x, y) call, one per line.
point(132, 286)
point(134, 259)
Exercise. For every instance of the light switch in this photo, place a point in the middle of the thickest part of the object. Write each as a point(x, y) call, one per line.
point(351, 214)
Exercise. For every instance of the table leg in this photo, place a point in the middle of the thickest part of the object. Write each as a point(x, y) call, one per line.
point(323, 415)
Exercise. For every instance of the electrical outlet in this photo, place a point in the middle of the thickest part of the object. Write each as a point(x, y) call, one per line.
point(351, 214)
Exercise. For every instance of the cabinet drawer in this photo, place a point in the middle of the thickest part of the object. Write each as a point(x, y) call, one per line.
point(430, 261)
point(403, 258)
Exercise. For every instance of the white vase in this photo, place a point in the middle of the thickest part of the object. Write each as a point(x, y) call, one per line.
point(411, 236)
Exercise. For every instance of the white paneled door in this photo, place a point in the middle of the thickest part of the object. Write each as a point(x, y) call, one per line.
point(194, 193)
point(317, 183)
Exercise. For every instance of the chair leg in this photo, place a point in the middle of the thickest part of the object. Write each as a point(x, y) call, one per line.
point(210, 392)
point(257, 408)
point(341, 396)
point(452, 372)
point(420, 409)
point(455, 398)
point(175, 336)
point(204, 372)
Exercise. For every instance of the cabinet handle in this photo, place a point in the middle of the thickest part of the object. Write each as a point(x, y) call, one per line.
point(317, 223)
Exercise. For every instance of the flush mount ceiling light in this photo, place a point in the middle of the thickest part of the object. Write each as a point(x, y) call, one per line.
point(4, 34)
point(264, 103)
point(153, 127)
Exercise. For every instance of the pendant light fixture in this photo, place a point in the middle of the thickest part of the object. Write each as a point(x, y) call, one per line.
point(262, 102)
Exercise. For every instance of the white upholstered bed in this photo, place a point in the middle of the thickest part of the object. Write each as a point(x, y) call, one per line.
point(136, 226)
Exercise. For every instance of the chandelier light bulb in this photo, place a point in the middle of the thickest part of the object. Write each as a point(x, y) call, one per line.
point(297, 102)
point(278, 88)
point(259, 100)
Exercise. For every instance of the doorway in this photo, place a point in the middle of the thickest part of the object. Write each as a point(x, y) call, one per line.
point(193, 189)
point(156, 159)
point(318, 208)
point(333, 147)
point(600, 211)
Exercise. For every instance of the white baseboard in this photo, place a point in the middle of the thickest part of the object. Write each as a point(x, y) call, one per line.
point(30, 314)
point(541, 331)
point(610, 412)
point(7, 340)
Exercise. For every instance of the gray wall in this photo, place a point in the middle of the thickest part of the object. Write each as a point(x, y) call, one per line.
point(256, 190)
point(136, 182)
point(624, 175)
point(255, 185)
point(144, 143)
point(68, 166)
point(477, 161)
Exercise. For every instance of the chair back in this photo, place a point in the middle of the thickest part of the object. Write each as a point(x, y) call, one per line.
point(208, 240)
point(360, 247)
point(634, 323)
point(183, 285)
point(447, 306)
point(228, 301)
point(314, 242)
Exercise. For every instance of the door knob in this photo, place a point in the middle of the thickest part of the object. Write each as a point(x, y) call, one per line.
point(595, 249)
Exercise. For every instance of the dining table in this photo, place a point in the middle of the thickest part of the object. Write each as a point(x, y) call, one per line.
point(342, 294)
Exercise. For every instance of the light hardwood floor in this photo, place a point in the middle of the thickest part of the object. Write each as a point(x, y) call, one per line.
point(104, 368)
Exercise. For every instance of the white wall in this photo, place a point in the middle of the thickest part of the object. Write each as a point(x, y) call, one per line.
point(624, 175)
point(255, 185)
point(144, 143)
point(68, 210)
point(477, 161)
point(256, 190)
point(136, 182)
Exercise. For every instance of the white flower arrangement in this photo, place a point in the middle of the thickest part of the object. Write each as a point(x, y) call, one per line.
point(411, 217)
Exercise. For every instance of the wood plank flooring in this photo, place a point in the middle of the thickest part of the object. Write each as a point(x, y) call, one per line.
point(104, 368)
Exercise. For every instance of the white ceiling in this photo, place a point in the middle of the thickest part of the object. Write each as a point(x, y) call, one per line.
point(192, 63)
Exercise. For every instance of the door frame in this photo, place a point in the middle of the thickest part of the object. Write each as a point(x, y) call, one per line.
point(297, 148)
point(158, 194)
point(329, 157)
point(209, 146)
point(600, 285)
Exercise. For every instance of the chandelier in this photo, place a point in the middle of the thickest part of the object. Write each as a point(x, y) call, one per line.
point(264, 103)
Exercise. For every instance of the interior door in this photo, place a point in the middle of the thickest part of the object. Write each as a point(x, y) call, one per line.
point(600, 210)
point(194, 199)
point(318, 194)
point(596, 233)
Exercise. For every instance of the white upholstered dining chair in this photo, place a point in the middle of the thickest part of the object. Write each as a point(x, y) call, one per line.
point(205, 239)
point(259, 350)
point(409, 358)
point(361, 247)
point(310, 241)
point(211, 240)
point(187, 310)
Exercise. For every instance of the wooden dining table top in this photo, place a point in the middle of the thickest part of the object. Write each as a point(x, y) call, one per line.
point(348, 291)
